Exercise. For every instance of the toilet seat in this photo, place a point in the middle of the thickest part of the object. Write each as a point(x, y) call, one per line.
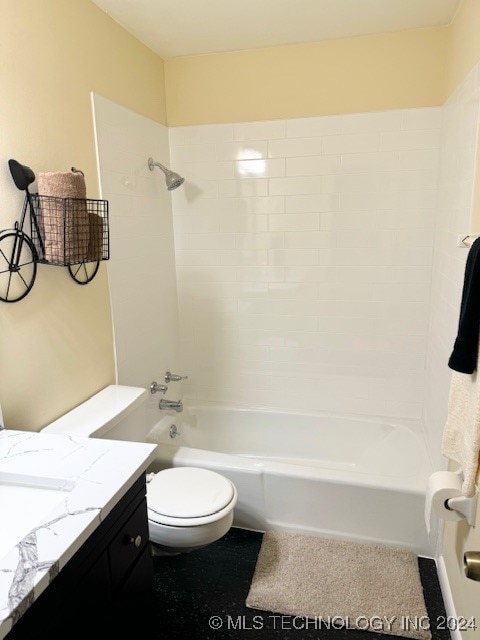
point(189, 497)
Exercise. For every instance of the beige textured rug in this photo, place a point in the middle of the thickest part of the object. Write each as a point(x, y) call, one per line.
point(340, 584)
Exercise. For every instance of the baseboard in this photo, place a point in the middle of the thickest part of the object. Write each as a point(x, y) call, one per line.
point(447, 595)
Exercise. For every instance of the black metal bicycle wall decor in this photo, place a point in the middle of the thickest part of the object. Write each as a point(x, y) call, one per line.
point(64, 232)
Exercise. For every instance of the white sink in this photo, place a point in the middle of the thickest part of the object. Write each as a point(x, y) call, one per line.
point(25, 502)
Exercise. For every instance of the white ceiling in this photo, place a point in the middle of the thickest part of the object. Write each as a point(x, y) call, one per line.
point(186, 27)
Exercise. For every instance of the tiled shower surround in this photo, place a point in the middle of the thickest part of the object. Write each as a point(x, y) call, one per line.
point(304, 255)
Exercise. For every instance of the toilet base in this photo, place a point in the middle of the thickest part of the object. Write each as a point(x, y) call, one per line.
point(161, 550)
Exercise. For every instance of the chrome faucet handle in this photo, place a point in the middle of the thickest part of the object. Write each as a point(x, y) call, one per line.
point(158, 388)
point(173, 377)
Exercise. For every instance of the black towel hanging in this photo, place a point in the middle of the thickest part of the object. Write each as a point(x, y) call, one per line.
point(465, 350)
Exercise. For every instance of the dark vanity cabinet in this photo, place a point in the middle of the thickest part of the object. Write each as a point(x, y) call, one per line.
point(111, 573)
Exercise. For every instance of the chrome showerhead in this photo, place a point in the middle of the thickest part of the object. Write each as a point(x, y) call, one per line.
point(172, 179)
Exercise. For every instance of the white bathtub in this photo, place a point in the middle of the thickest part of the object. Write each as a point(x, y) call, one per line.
point(326, 475)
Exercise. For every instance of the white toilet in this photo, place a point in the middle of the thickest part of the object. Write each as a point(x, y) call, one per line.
point(188, 507)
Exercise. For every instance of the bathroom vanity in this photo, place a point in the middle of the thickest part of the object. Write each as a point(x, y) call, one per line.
point(88, 549)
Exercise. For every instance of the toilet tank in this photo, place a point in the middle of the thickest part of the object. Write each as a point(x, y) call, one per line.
point(117, 412)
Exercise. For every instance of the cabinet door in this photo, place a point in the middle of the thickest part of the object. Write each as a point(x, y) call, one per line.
point(139, 581)
point(134, 601)
point(128, 545)
point(87, 603)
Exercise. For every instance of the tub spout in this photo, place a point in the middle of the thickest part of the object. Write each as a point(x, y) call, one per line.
point(176, 405)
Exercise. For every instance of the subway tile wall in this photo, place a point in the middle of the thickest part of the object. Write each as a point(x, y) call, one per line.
point(303, 253)
point(457, 167)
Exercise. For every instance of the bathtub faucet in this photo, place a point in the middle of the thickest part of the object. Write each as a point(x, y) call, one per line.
point(176, 405)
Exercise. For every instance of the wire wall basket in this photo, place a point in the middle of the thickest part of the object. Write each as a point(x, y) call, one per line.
point(70, 231)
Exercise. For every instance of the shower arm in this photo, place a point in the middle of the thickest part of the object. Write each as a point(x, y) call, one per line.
point(153, 163)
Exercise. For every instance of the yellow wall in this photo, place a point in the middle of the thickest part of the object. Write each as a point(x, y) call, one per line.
point(463, 46)
point(56, 346)
point(412, 68)
point(463, 43)
point(369, 73)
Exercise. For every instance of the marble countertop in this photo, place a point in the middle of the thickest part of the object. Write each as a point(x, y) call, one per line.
point(94, 475)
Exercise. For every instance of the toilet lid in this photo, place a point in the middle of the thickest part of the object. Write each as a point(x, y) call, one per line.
point(188, 492)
